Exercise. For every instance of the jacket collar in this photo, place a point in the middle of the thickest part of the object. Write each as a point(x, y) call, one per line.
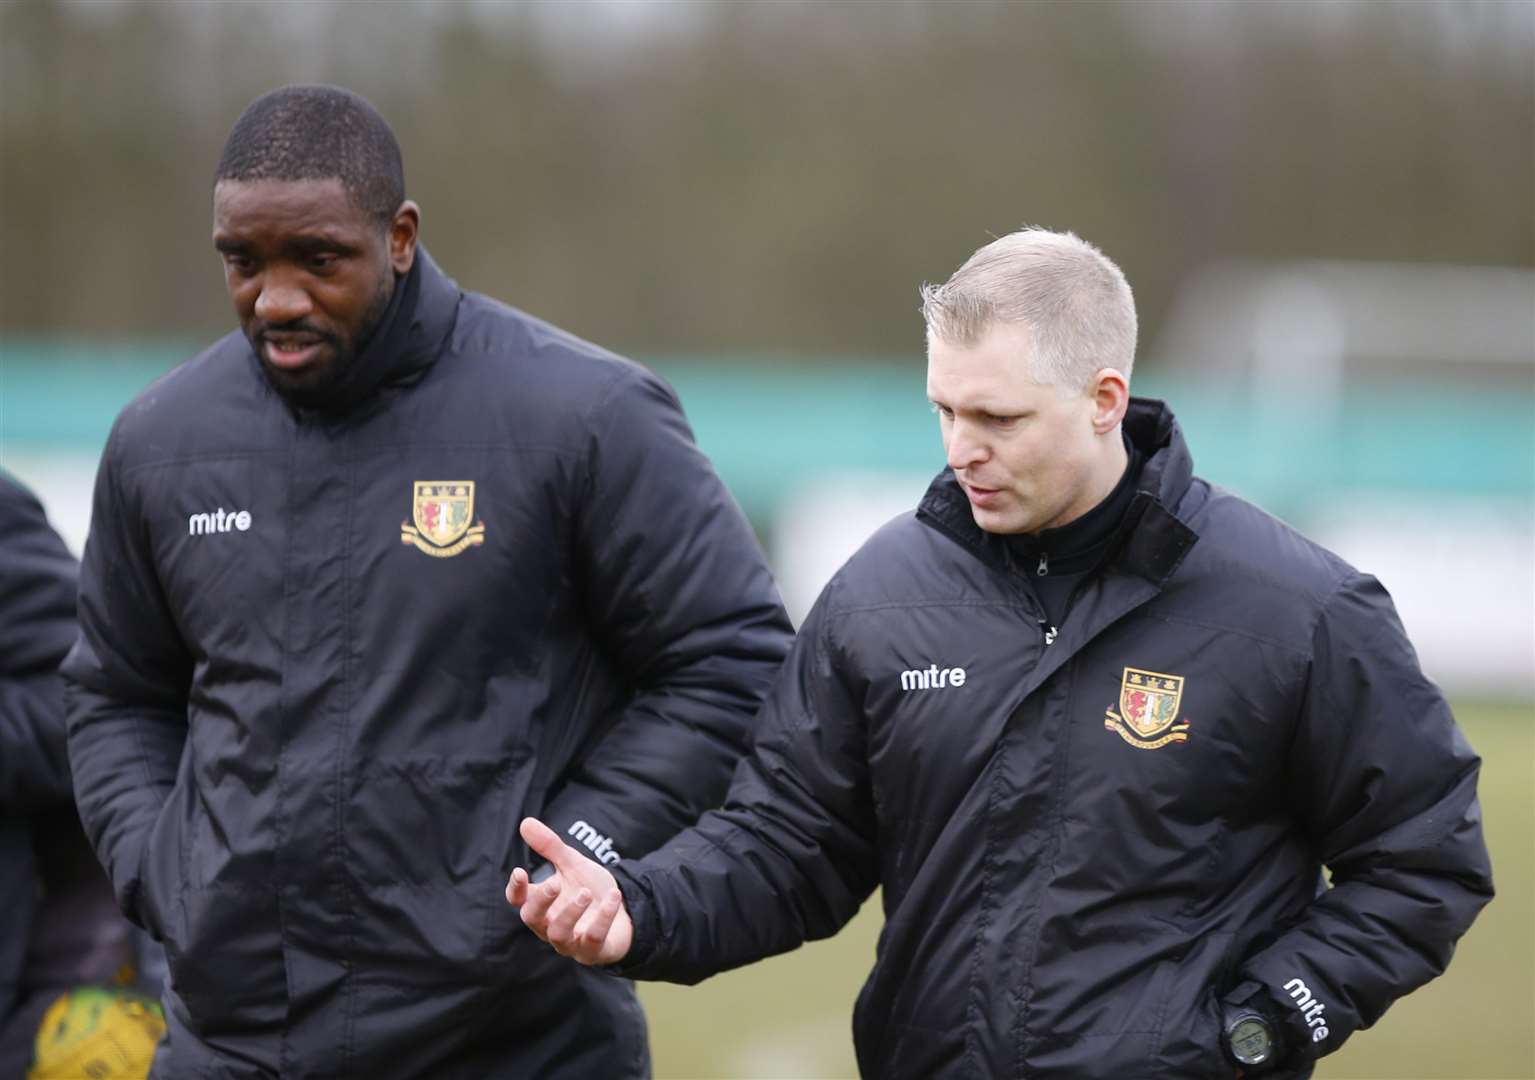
point(408, 340)
point(1154, 540)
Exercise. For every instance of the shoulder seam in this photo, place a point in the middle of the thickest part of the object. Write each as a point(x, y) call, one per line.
point(1225, 629)
point(860, 608)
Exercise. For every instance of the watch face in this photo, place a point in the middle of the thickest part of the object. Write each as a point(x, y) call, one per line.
point(1251, 1040)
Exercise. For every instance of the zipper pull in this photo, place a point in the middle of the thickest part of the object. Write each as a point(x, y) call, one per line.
point(1044, 565)
point(1049, 632)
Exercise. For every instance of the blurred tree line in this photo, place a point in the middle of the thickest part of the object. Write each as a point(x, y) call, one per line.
point(679, 176)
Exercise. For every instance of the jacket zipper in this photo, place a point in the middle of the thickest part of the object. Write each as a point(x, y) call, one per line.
point(1042, 570)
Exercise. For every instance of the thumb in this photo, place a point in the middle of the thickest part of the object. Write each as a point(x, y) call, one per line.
point(546, 842)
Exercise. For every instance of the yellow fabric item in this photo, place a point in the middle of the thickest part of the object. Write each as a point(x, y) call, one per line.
point(91, 1033)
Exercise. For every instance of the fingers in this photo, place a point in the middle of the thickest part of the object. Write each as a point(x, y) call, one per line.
point(563, 910)
point(590, 932)
point(536, 904)
point(559, 932)
point(546, 842)
point(573, 925)
point(517, 887)
point(551, 911)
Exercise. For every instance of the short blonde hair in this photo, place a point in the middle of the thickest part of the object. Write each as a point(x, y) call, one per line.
point(1074, 301)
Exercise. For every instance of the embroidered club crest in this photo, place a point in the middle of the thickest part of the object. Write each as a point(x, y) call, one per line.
point(1148, 710)
point(442, 511)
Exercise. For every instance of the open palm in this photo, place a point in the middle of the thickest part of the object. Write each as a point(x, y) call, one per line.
point(579, 910)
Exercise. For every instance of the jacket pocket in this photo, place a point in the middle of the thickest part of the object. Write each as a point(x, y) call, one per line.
point(227, 966)
point(162, 873)
point(221, 946)
point(426, 840)
point(1190, 1024)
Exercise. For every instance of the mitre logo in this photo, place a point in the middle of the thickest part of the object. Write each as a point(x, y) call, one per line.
point(1310, 1008)
point(219, 521)
point(442, 511)
point(1148, 710)
point(600, 846)
point(932, 677)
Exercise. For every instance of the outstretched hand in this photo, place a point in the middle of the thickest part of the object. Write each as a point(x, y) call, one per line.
point(561, 909)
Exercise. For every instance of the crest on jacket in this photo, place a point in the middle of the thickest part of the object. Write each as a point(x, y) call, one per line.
point(442, 511)
point(1148, 709)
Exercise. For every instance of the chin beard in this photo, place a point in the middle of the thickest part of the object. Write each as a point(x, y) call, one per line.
point(309, 389)
point(318, 387)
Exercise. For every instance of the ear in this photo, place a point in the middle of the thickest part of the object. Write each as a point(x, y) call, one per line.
point(1110, 391)
point(402, 237)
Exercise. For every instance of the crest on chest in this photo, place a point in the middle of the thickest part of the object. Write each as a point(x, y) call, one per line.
point(1148, 710)
point(442, 511)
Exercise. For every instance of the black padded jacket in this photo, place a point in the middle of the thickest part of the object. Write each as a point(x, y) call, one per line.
point(1083, 844)
point(37, 627)
point(329, 659)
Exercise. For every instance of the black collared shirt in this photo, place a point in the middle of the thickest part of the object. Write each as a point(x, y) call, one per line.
point(1055, 560)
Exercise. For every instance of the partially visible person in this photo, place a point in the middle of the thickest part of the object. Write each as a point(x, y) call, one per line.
point(69, 1000)
point(1095, 727)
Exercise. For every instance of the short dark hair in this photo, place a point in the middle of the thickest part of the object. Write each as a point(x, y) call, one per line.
point(314, 132)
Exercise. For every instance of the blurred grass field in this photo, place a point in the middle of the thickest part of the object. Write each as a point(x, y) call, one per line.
point(789, 1018)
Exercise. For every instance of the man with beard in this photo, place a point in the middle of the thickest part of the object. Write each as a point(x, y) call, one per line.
point(365, 584)
point(1094, 726)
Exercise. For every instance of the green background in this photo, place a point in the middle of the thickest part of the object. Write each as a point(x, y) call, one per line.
point(768, 422)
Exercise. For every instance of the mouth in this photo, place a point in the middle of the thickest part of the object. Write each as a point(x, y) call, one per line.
point(290, 353)
point(980, 496)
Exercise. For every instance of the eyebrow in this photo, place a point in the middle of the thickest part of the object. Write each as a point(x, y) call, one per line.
point(301, 245)
point(311, 243)
point(988, 408)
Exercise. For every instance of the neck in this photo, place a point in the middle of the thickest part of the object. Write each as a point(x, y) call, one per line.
point(1079, 543)
point(1106, 474)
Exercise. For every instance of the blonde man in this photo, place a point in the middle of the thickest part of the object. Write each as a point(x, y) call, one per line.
point(1094, 726)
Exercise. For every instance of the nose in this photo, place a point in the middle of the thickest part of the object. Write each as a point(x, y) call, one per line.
point(281, 302)
point(965, 447)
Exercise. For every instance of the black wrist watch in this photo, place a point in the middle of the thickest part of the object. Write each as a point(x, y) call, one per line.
point(1251, 1041)
point(1249, 1036)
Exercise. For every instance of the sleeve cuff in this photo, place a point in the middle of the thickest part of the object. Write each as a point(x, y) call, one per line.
point(642, 913)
